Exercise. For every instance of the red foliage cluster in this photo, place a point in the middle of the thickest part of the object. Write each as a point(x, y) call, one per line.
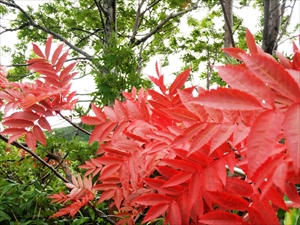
point(31, 103)
point(167, 154)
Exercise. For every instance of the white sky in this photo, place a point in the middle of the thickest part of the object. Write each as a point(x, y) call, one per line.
point(248, 14)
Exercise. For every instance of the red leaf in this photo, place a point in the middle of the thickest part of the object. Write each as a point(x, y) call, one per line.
point(234, 52)
point(292, 133)
point(230, 99)
point(179, 81)
point(174, 214)
point(66, 71)
point(239, 187)
point(240, 133)
point(133, 111)
point(178, 179)
point(203, 137)
point(179, 164)
point(30, 140)
point(56, 54)
point(101, 132)
point(90, 120)
point(25, 115)
point(284, 61)
point(221, 218)
point(44, 124)
point(152, 199)
point(182, 115)
point(120, 111)
point(39, 134)
point(48, 47)
point(99, 113)
point(111, 114)
point(160, 99)
point(18, 123)
point(222, 135)
point(273, 74)
point(155, 211)
point(13, 131)
point(37, 50)
point(242, 79)
point(211, 180)
point(251, 42)
point(61, 61)
point(228, 201)
point(262, 138)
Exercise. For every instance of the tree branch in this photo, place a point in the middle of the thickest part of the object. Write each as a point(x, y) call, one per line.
point(15, 29)
point(73, 124)
point(163, 22)
point(19, 145)
point(100, 9)
point(227, 22)
point(138, 17)
point(46, 30)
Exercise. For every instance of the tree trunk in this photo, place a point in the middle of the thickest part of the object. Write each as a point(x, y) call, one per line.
point(110, 23)
point(272, 22)
point(228, 39)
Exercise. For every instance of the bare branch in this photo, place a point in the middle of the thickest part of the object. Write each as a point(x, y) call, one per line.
point(163, 22)
point(46, 30)
point(15, 29)
point(100, 9)
point(287, 22)
point(138, 18)
point(74, 125)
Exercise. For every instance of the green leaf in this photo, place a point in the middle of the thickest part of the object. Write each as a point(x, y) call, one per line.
point(292, 217)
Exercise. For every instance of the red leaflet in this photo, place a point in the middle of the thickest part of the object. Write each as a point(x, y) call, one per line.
point(251, 42)
point(160, 99)
point(240, 133)
point(120, 111)
point(152, 199)
point(37, 50)
point(111, 114)
point(25, 115)
point(203, 137)
point(155, 211)
point(99, 113)
point(66, 71)
point(90, 120)
point(101, 132)
point(292, 133)
point(179, 81)
point(221, 218)
point(239, 187)
point(30, 140)
point(262, 138)
point(182, 115)
point(17, 123)
point(284, 61)
point(48, 47)
point(179, 164)
point(43, 122)
point(39, 134)
point(178, 179)
point(234, 52)
point(61, 61)
point(273, 74)
point(173, 214)
point(222, 135)
point(231, 99)
point(56, 54)
point(228, 201)
point(243, 80)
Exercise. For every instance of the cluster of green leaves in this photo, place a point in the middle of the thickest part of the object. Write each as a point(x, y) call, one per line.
point(25, 183)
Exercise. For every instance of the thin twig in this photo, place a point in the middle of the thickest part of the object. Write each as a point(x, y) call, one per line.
point(75, 125)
